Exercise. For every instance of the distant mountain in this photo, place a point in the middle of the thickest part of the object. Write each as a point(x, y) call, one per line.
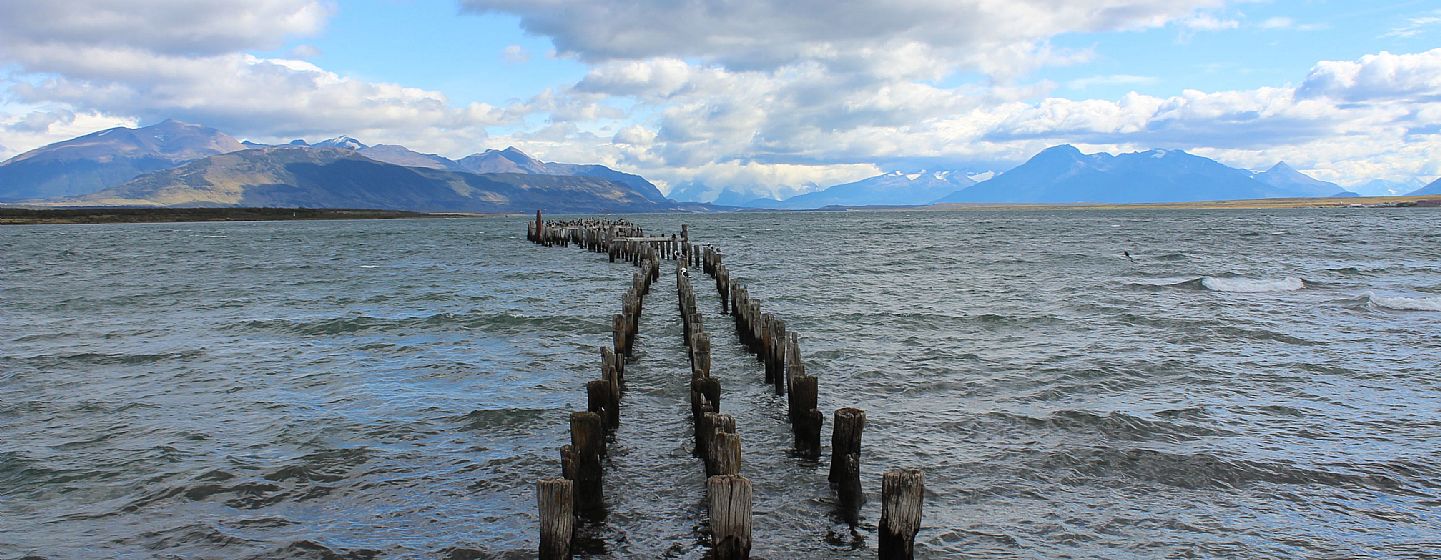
point(512, 160)
point(1383, 187)
point(895, 188)
point(1433, 188)
point(1062, 174)
point(342, 142)
point(107, 158)
point(343, 178)
point(509, 160)
point(1287, 182)
point(401, 155)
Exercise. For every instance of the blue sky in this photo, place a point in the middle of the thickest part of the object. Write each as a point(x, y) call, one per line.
point(761, 96)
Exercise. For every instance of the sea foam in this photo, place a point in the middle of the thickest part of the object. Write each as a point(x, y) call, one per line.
point(1406, 303)
point(1252, 285)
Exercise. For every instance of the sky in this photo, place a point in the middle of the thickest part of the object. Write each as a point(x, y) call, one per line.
point(765, 97)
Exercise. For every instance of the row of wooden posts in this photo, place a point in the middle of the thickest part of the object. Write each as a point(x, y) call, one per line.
point(728, 494)
point(580, 492)
point(766, 336)
point(716, 441)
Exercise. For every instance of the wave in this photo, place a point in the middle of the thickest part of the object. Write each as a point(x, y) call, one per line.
point(1252, 285)
point(352, 324)
point(1399, 303)
point(1230, 284)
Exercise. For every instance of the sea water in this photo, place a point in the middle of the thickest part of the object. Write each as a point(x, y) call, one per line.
point(1247, 384)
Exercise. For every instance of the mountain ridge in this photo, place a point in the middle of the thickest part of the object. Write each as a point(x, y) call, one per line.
point(1063, 174)
point(106, 158)
point(311, 177)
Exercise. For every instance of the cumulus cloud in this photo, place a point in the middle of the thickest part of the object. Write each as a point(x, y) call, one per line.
point(160, 59)
point(764, 97)
point(714, 122)
point(1378, 76)
point(930, 35)
point(173, 27)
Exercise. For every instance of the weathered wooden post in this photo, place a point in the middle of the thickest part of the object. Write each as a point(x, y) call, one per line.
point(729, 497)
point(598, 396)
point(587, 442)
point(725, 454)
point(846, 459)
point(845, 438)
point(619, 329)
point(555, 497)
point(902, 491)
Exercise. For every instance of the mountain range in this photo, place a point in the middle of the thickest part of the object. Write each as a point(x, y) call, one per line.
point(178, 164)
point(894, 188)
point(1433, 188)
point(328, 177)
point(107, 158)
point(1062, 174)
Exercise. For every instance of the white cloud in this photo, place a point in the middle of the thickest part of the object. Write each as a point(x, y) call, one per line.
point(173, 27)
point(1208, 22)
point(1111, 80)
point(147, 61)
point(40, 127)
point(515, 54)
point(769, 97)
point(927, 36)
point(1378, 77)
point(1278, 23)
point(1416, 26)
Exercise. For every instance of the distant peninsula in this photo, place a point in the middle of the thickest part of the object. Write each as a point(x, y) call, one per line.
point(22, 216)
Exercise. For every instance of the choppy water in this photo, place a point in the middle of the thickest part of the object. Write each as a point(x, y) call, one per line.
point(1256, 384)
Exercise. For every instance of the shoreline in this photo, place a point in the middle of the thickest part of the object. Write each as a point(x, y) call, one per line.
point(101, 215)
point(20, 215)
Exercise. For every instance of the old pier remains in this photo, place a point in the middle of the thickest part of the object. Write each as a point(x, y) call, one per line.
point(580, 491)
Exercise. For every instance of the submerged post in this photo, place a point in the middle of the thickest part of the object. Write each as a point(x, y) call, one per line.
point(846, 460)
point(555, 497)
point(587, 442)
point(729, 497)
point(901, 493)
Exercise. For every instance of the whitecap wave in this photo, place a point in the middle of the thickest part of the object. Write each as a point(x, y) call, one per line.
point(1406, 303)
point(1252, 285)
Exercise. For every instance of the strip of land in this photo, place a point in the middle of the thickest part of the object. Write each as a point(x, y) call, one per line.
point(16, 216)
point(1249, 204)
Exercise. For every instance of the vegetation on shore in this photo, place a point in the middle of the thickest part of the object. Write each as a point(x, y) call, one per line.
point(148, 215)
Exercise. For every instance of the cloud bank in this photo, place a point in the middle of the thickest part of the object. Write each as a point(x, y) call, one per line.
point(768, 97)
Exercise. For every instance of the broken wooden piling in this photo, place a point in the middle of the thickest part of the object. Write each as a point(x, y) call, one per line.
point(587, 443)
point(555, 498)
point(729, 500)
point(846, 459)
point(901, 493)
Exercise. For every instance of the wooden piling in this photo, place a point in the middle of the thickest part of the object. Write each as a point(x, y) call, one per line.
point(598, 396)
point(848, 490)
point(902, 491)
point(587, 442)
point(555, 497)
point(729, 498)
point(846, 459)
point(725, 454)
point(845, 438)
